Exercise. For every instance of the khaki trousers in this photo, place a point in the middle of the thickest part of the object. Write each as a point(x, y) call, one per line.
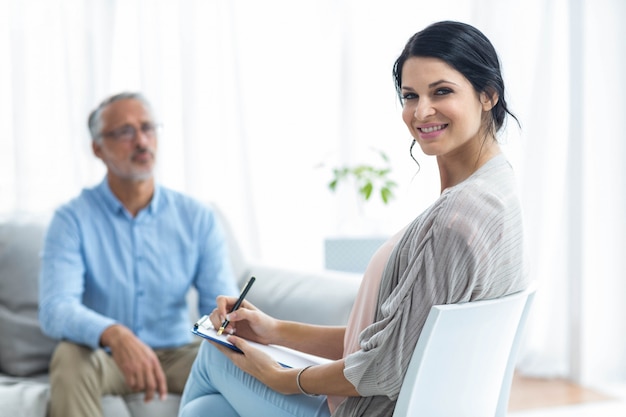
point(80, 376)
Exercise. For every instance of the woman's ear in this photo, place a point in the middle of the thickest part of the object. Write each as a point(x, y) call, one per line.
point(489, 99)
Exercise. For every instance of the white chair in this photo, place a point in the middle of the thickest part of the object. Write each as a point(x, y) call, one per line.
point(464, 360)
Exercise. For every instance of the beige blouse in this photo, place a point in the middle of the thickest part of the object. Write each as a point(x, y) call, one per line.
point(364, 309)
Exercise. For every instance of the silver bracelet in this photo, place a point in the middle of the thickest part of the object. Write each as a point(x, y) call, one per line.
point(300, 386)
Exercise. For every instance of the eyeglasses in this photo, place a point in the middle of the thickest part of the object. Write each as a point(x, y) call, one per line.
point(128, 133)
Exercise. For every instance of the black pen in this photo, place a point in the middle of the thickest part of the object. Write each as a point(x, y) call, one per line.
point(237, 304)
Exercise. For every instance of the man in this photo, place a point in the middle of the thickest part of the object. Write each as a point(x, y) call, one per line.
point(117, 263)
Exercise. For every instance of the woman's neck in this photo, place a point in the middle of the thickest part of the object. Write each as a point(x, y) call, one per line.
point(457, 168)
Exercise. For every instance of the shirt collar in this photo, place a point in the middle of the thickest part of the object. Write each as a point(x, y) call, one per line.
point(116, 206)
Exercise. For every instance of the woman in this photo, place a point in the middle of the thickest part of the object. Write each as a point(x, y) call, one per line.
point(467, 246)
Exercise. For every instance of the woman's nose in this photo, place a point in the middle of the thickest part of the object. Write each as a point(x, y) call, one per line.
point(423, 110)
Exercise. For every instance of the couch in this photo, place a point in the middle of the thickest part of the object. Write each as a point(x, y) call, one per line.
point(319, 297)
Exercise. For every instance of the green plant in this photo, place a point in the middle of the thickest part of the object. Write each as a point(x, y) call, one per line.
point(367, 179)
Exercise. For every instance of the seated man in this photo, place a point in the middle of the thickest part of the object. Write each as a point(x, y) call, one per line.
point(117, 263)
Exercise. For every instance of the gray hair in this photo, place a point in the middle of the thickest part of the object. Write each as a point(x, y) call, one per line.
point(94, 122)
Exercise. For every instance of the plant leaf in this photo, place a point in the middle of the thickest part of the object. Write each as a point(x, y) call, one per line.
point(386, 194)
point(366, 190)
point(367, 178)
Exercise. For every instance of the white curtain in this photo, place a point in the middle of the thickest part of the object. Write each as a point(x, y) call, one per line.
point(259, 99)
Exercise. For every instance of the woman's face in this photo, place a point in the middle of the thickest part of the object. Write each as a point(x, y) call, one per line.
point(441, 108)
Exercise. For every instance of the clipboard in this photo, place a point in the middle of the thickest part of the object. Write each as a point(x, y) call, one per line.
point(286, 357)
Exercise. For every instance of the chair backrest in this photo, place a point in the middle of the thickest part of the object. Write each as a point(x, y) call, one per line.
point(464, 360)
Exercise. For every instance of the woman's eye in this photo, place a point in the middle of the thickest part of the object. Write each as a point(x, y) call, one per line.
point(442, 91)
point(409, 96)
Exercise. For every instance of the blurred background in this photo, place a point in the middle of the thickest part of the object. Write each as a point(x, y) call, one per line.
point(260, 100)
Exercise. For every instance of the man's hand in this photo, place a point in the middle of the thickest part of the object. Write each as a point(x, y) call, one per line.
point(138, 362)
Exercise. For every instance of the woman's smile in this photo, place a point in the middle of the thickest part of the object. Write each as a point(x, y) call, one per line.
point(441, 108)
point(430, 131)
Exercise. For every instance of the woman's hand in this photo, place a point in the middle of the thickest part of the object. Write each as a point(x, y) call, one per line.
point(250, 323)
point(247, 321)
point(255, 362)
point(325, 379)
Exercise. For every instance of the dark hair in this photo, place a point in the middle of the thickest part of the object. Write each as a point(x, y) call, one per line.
point(94, 122)
point(467, 50)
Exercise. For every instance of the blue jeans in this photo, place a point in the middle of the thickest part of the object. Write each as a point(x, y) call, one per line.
point(217, 387)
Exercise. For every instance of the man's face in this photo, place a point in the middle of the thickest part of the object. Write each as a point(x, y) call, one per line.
point(128, 141)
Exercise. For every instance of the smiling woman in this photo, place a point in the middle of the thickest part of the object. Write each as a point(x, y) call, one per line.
point(444, 255)
point(440, 103)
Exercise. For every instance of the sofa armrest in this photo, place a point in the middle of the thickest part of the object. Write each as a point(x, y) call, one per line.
point(322, 297)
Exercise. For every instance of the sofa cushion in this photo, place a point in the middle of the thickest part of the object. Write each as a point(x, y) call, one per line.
point(24, 350)
point(114, 406)
point(23, 397)
point(322, 297)
point(155, 408)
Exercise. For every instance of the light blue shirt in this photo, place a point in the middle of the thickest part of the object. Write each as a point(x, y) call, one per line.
point(101, 266)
